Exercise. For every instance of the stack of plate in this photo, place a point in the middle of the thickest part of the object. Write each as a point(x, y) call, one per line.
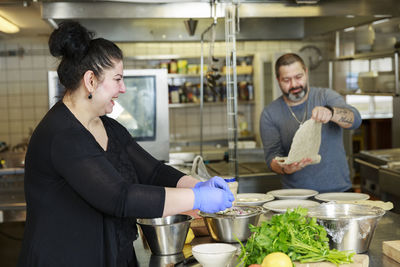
point(290, 199)
point(253, 199)
point(341, 196)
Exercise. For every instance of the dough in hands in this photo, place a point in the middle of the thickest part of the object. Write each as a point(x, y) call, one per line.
point(305, 144)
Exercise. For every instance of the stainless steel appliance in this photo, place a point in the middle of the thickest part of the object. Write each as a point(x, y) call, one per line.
point(143, 109)
point(389, 182)
point(370, 162)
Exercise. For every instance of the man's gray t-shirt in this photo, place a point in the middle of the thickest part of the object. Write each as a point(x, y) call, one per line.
point(278, 126)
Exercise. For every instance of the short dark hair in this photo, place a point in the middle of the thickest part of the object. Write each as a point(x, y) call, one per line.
point(79, 52)
point(288, 59)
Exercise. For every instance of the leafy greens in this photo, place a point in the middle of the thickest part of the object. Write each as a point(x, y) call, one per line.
point(295, 234)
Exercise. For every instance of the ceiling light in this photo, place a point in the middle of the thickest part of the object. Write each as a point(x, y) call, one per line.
point(380, 21)
point(349, 29)
point(7, 26)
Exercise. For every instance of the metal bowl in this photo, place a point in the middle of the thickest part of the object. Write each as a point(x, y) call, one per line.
point(349, 226)
point(227, 227)
point(167, 235)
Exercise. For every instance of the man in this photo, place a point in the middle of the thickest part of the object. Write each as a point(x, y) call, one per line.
point(281, 119)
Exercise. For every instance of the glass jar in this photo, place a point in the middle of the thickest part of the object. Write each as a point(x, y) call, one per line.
point(233, 185)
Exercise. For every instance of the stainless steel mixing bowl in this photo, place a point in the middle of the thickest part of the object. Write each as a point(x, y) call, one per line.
point(167, 235)
point(349, 226)
point(226, 228)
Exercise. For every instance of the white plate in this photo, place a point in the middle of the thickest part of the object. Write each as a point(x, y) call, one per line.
point(253, 199)
point(340, 196)
point(282, 205)
point(293, 193)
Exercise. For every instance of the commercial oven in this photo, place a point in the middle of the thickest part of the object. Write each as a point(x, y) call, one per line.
point(143, 109)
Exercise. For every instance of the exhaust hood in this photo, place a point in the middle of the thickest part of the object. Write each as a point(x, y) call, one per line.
point(134, 20)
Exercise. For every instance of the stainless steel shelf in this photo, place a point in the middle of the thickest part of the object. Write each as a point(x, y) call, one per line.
point(177, 75)
point(370, 94)
point(369, 55)
point(186, 105)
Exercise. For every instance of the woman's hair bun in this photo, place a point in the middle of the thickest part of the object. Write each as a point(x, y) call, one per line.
point(71, 40)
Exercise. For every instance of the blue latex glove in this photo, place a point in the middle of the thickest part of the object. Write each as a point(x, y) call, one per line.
point(211, 199)
point(216, 182)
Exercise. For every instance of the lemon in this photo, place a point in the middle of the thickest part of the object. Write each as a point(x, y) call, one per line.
point(189, 236)
point(277, 259)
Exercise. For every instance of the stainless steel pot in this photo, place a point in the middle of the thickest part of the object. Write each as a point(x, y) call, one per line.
point(167, 235)
point(226, 228)
point(349, 226)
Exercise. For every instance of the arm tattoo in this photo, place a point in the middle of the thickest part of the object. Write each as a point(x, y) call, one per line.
point(345, 117)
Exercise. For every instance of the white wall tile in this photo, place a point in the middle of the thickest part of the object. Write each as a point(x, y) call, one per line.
point(39, 62)
point(27, 75)
point(28, 113)
point(15, 127)
point(4, 113)
point(3, 102)
point(12, 62)
point(3, 89)
point(26, 62)
point(28, 101)
point(14, 88)
point(14, 101)
point(16, 138)
point(15, 114)
point(13, 75)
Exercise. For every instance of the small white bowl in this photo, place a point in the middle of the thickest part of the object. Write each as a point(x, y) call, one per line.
point(214, 254)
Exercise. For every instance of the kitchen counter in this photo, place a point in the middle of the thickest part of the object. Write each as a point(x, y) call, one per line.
point(388, 229)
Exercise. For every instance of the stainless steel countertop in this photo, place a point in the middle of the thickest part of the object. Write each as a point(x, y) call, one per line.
point(388, 229)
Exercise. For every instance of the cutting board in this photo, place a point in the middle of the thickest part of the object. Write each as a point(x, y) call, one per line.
point(360, 260)
point(392, 249)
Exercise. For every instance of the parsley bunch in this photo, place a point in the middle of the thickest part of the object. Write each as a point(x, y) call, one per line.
point(295, 234)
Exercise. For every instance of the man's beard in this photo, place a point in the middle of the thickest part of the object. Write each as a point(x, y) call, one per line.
point(296, 97)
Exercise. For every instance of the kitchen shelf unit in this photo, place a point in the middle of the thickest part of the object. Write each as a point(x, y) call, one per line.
point(394, 54)
point(219, 103)
point(216, 103)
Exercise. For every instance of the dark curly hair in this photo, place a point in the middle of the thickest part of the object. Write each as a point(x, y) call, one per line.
point(79, 52)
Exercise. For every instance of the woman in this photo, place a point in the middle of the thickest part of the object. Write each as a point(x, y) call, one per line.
point(86, 179)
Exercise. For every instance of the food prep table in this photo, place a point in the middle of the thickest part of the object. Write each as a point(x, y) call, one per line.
point(388, 229)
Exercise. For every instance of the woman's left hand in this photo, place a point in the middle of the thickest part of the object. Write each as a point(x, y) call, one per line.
point(215, 182)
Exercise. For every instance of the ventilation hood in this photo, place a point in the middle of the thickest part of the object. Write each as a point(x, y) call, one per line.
point(151, 20)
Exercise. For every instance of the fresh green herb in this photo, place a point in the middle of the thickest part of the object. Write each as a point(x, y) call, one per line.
point(295, 234)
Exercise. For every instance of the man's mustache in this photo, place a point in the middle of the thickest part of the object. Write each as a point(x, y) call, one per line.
point(295, 88)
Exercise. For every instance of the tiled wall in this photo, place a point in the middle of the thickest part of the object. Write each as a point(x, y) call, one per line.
point(24, 97)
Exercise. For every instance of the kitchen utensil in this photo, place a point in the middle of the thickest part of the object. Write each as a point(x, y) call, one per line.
point(253, 199)
point(282, 205)
point(392, 249)
point(341, 196)
point(227, 227)
point(349, 226)
point(214, 254)
point(167, 235)
point(293, 193)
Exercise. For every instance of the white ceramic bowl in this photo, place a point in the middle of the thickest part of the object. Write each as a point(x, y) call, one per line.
point(214, 254)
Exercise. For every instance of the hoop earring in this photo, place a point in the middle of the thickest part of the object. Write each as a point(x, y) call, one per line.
point(90, 96)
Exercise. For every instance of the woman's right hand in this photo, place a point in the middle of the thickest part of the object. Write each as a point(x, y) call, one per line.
point(211, 199)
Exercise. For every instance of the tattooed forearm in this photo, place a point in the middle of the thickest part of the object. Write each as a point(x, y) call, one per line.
point(343, 117)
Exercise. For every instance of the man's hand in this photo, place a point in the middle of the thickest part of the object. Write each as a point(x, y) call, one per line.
point(321, 114)
point(289, 168)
